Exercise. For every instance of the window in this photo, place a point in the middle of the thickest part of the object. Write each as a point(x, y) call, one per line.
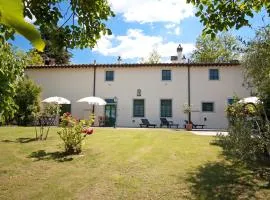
point(166, 75)
point(166, 108)
point(230, 101)
point(138, 108)
point(213, 74)
point(109, 76)
point(207, 107)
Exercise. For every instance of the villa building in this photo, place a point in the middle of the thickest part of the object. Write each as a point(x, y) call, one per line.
point(136, 91)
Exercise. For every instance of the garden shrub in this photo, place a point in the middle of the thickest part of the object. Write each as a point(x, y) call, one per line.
point(27, 99)
point(248, 133)
point(73, 132)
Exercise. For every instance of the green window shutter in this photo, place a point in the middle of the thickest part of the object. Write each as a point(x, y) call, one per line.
point(166, 75)
point(138, 108)
point(213, 74)
point(207, 107)
point(166, 108)
point(109, 75)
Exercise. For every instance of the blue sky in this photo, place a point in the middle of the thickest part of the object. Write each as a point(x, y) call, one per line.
point(141, 26)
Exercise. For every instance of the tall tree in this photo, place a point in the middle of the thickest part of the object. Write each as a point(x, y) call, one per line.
point(223, 48)
point(221, 15)
point(154, 57)
point(55, 50)
point(11, 69)
point(256, 62)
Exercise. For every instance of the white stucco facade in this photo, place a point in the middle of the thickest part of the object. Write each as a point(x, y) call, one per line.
point(77, 81)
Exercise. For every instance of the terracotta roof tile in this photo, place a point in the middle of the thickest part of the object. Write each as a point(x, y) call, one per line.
point(133, 65)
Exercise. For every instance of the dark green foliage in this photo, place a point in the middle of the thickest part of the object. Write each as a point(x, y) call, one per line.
point(55, 50)
point(27, 99)
point(222, 15)
point(11, 69)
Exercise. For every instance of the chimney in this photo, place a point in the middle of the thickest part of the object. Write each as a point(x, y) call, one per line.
point(179, 53)
point(180, 58)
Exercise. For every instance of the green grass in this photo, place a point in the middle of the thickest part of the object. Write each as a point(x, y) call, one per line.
point(121, 164)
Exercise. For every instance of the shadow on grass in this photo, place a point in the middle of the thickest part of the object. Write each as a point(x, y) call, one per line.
point(57, 156)
point(223, 181)
point(20, 140)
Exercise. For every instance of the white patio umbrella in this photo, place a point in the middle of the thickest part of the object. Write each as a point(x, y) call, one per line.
point(254, 100)
point(57, 100)
point(93, 101)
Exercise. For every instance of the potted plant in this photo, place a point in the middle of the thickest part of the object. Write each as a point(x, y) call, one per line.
point(187, 110)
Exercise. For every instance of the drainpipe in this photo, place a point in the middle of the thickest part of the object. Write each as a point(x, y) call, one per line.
point(189, 114)
point(94, 84)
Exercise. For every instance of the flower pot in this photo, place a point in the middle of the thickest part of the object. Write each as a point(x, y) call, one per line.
point(189, 127)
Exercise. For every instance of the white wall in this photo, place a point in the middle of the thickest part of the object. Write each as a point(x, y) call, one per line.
point(75, 83)
point(71, 83)
point(148, 79)
point(217, 91)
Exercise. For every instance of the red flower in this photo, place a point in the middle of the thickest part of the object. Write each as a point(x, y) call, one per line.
point(88, 131)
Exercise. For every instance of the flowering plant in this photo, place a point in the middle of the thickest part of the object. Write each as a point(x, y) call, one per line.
point(73, 132)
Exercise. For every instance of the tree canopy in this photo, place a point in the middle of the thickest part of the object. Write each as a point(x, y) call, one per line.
point(256, 61)
point(79, 22)
point(221, 15)
point(11, 69)
point(223, 48)
point(153, 57)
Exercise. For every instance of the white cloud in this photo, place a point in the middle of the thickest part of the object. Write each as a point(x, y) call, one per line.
point(170, 26)
point(173, 29)
point(147, 11)
point(136, 45)
point(177, 31)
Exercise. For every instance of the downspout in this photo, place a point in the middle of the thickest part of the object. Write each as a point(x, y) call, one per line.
point(189, 113)
point(94, 84)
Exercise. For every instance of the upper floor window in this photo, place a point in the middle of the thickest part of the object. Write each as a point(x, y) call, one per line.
point(165, 108)
point(213, 74)
point(207, 107)
point(109, 75)
point(166, 75)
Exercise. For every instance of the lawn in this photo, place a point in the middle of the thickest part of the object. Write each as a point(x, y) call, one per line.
point(122, 164)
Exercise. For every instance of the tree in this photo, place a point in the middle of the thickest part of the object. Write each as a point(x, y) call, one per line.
point(222, 15)
point(80, 24)
point(33, 58)
point(256, 62)
point(27, 99)
point(223, 48)
point(55, 49)
point(154, 57)
point(11, 68)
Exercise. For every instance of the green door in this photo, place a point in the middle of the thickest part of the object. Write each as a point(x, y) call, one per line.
point(110, 115)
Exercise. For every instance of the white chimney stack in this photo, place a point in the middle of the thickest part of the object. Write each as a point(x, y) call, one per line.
point(179, 58)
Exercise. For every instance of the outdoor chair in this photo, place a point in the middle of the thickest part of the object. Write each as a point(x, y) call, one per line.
point(145, 123)
point(195, 126)
point(165, 122)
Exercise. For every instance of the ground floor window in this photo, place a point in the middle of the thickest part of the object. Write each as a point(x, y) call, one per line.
point(208, 107)
point(165, 108)
point(65, 108)
point(138, 108)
